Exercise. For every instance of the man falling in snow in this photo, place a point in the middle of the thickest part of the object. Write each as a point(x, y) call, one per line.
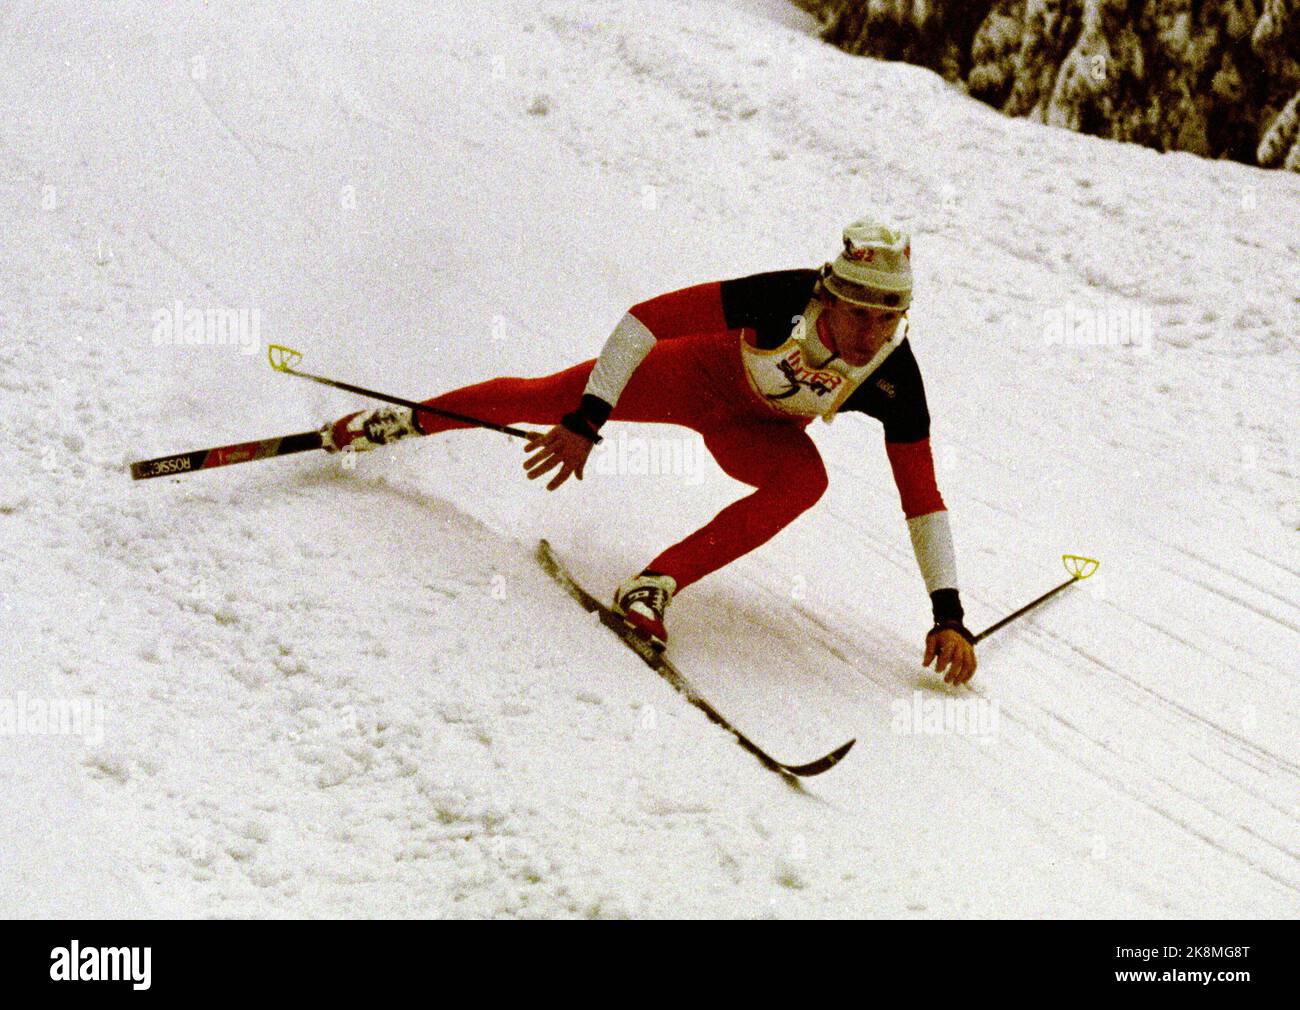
point(748, 363)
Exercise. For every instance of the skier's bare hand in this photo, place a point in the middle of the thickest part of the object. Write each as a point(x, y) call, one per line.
point(558, 447)
point(954, 654)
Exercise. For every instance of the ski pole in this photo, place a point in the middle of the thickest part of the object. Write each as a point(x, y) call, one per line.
point(1078, 567)
point(283, 359)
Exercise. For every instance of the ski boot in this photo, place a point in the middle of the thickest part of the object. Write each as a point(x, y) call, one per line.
point(641, 602)
point(369, 429)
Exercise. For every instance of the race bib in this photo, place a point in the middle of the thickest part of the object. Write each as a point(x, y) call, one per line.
point(796, 378)
point(786, 380)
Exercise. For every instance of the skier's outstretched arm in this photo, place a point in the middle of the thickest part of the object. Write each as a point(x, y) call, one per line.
point(675, 314)
point(948, 641)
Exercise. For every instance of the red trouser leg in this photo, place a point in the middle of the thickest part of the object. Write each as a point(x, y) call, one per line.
point(779, 460)
point(510, 400)
point(677, 383)
point(698, 383)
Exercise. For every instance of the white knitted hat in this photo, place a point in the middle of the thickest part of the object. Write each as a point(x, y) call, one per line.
point(875, 268)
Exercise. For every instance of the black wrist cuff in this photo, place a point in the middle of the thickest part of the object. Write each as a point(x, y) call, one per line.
point(594, 410)
point(579, 425)
point(946, 604)
point(956, 626)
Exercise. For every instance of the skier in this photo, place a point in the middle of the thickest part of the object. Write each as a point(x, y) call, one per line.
point(748, 363)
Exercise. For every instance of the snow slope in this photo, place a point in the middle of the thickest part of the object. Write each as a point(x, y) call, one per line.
point(330, 690)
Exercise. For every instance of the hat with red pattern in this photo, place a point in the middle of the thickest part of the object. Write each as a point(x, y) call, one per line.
point(875, 268)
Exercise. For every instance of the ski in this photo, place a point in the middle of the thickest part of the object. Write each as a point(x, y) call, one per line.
point(657, 661)
point(224, 455)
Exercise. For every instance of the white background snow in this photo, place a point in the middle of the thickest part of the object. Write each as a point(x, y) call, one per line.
point(351, 692)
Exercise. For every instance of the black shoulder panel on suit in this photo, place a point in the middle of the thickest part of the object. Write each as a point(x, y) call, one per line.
point(895, 395)
point(768, 303)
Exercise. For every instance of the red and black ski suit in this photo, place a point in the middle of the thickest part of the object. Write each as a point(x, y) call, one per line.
point(694, 376)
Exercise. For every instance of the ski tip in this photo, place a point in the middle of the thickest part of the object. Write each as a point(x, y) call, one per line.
point(823, 764)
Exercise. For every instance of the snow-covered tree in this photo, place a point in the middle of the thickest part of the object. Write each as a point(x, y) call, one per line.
point(1219, 78)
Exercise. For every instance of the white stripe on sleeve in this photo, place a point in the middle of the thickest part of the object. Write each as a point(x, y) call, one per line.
point(932, 542)
point(625, 349)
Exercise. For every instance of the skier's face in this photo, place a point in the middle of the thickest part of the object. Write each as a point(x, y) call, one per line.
point(858, 331)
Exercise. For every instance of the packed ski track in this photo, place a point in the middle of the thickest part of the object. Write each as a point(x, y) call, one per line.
point(328, 689)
